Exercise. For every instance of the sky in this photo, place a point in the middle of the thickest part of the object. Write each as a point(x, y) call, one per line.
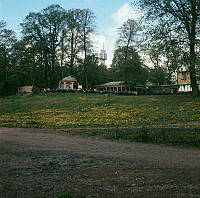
point(110, 15)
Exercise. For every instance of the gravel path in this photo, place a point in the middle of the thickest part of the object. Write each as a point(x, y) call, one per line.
point(94, 161)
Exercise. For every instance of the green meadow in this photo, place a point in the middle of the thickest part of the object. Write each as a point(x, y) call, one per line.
point(76, 110)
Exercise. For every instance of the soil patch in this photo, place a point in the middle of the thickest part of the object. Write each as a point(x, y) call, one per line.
point(48, 163)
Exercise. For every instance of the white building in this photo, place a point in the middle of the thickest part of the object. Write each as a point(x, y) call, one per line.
point(69, 83)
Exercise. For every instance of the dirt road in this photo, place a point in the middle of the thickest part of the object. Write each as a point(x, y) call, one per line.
point(48, 163)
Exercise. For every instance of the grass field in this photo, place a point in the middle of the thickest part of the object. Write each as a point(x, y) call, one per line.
point(64, 110)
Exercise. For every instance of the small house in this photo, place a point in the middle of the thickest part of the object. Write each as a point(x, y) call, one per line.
point(183, 77)
point(184, 82)
point(118, 86)
point(25, 89)
point(69, 83)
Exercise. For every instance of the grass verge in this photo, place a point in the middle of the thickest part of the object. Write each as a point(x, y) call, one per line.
point(185, 137)
point(71, 195)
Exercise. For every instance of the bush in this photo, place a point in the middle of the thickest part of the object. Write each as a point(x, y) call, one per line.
point(36, 90)
point(8, 88)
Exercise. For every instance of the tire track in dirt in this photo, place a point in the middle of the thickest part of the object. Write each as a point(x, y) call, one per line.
point(142, 154)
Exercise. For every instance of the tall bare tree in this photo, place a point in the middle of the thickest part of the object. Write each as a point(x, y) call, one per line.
point(73, 37)
point(128, 36)
point(87, 27)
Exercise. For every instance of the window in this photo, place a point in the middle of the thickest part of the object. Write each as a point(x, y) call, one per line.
point(61, 85)
point(68, 85)
point(75, 85)
point(184, 77)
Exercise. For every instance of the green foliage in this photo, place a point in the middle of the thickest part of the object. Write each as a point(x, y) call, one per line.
point(57, 39)
point(157, 76)
point(177, 23)
point(7, 66)
point(50, 165)
point(36, 90)
point(56, 110)
point(128, 33)
point(164, 136)
point(159, 136)
point(131, 70)
point(8, 88)
point(42, 32)
point(127, 64)
point(96, 74)
point(164, 51)
point(71, 195)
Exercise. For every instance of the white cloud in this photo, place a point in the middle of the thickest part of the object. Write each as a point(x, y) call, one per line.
point(110, 35)
point(122, 14)
point(126, 12)
point(98, 41)
point(111, 30)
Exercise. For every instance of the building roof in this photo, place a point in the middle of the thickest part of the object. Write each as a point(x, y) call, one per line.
point(69, 79)
point(188, 83)
point(184, 69)
point(111, 84)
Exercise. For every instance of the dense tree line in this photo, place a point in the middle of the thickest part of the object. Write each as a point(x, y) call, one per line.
point(174, 34)
point(167, 37)
point(127, 64)
point(56, 43)
point(60, 41)
point(7, 56)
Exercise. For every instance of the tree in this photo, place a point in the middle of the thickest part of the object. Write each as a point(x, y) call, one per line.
point(128, 34)
point(184, 19)
point(127, 64)
point(60, 41)
point(97, 73)
point(73, 38)
point(163, 50)
point(7, 41)
point(157, 76)
point(87, 27)
point(133, 72)
point(43, 33)
point(27, 70)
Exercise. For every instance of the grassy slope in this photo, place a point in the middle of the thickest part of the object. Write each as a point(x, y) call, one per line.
point(79, 110)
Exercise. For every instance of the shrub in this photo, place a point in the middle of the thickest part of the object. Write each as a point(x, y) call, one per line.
point(36, 90)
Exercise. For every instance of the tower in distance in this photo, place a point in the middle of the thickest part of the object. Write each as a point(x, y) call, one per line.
point(103, 56)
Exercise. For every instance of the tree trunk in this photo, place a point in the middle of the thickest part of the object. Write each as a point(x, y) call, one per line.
point(125, 61)
point(195, 89)
point(192, 38)
point(85, 69)
point(6, 74)
point(85, 61)
point(72, 54)
point(5, 66)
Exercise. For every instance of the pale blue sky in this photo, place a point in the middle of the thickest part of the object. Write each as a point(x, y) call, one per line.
point(110, 15)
